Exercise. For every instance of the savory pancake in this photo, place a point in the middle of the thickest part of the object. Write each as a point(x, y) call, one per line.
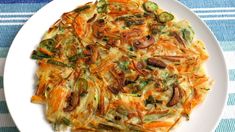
point(119, 65)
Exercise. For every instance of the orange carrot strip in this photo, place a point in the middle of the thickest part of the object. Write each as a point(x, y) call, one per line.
point(37, 99)
point(157, 124)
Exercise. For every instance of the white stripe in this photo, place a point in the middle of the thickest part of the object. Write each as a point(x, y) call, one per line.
point(231, 87)
point(2, 64)
point(218, 18)
point(12, 23)
point(16, 13)
point(229, 58)
point(229, 112)
point(2, 96)
point(6, 120)
point(215, 13)
point(213, 9)
point(14, 18)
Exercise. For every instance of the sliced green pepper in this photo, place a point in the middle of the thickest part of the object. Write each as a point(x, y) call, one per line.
point(188, 34)
point(165, 17)
point(150, 6)
point(124, 65)
point(47, 44)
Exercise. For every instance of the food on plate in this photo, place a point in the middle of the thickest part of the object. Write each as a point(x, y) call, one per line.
point(119, 65)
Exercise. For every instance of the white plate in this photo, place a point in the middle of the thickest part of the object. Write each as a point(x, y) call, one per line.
point(19, 75)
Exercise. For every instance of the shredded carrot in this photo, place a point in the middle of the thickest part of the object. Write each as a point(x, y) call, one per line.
point(167, 45)
point(45, 51)
point(37, 99)
point(56, 98)
point(156, 124)
point(201, 81)
point(79, 24)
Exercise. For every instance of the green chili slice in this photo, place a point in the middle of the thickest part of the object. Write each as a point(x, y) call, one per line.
point(165, 17)
point(150, 6)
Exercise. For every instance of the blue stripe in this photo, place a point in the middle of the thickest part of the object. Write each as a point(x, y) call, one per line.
point(12, 21)
point(208, 4)
point(1, 82)
point(226, 125)
point(3, 107)
point(14, 16)
point(215, 15)
point(7, 34)
point(211, 11)
point(223, 30)
point(232, 74)
point(9, 129)
point(29, 7)
point(24, 1)
point(231, 99)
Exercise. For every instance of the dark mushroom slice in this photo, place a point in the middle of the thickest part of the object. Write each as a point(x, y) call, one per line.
point(113, 90)
point(92, 53)
point(92, 18)
point(156, 63)
point(98, 28)
point(73, 101)
point(144, 42)
point(178, 38)
point(175, 98)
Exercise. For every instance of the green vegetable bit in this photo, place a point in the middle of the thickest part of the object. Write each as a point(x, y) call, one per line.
point(188, 34)
point(165, 17)
point(47, 44)
point(150, 6)
point(102, 6)
point(37, 55)
point(66, 121)
point(82, 8)
point(124, 65)
point(143, 84)
point(54, 62)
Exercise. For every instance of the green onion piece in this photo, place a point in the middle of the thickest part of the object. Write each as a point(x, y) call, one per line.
point(165, 17)
point(37, 55)
point(150, 6)
point(66, 121)
point(53, 62)
point(143, 84)
point(82, 8)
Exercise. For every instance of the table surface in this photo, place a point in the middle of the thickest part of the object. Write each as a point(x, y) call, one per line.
point(219, 15)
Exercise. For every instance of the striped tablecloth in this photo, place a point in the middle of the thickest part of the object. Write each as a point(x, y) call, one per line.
point(218, 14)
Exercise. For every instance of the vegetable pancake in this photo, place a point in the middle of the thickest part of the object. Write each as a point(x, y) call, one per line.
point(119, 65)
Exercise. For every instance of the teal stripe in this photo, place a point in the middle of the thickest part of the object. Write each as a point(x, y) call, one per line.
point(3, 52)
point(7, 34)
point(1, 82)
point(232, 74)
point(228, 45)
point(231, 99)
point(3, 107)
point(30, 7)
point(226, 125)
point(9, 129)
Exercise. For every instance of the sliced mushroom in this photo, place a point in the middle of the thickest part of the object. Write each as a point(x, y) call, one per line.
point(113, 90)
point(175, 98)
point(73, 101)
point(156, 63)
point(92, 18)
point(178, 38)
point(139, 67)
point(144, 42)
point(98, 28)
point(92, 53)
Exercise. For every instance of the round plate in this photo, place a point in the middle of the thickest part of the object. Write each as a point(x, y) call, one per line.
point(19, 74)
